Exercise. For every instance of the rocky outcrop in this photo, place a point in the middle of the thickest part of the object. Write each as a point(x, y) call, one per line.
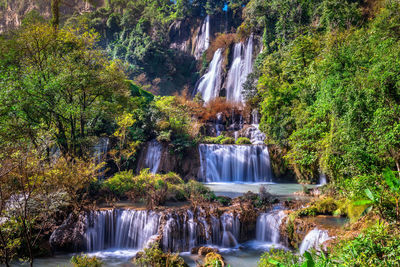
point(69, 236)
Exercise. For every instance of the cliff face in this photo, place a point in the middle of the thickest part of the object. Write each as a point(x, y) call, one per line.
point(12, 12)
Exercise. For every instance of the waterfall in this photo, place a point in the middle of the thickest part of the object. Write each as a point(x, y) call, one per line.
point(268, 225)
point(314, 239)
point(120, 229)
point(235, 163)
point(322, 178)
point(234, 83)
point(248, 59)
point(153, 156)
point(242, 66)
point(185, 231)
point(209, 85)
point(203, 38)
point(100, 149)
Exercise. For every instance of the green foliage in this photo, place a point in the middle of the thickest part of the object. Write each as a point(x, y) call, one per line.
point(378, 245)
point(66, 94)
point(120, 183)
point(198, 192)
point(243, 141)
point(155, 257)
point(85, 261)
point(227, 141)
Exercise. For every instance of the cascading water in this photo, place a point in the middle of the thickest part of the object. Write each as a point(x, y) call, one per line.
point(210, 84)
point(219, 126)
point(185, 231)
point(314, 239)
point(235, 163)
point(153, 156)
point(100, 149)
point(241, 67)
point(120, 229)
point(234, 83)
point(322, 178)
point(203, 39)
point(268, 225)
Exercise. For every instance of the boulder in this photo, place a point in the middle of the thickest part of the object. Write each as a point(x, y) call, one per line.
point(69, 236)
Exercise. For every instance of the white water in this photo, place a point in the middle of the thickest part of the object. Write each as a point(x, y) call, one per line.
point(210, 84)
point(100, 149)
point(234, 83)
point(314, 239)
point(241, 67)
point(235, 163)
point(268, 225)
point(153, 156)
point(203, 38)
point(185, 231)
point(322, 179)
point(120, 229)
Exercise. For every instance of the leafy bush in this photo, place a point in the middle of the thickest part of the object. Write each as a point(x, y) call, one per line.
point(378, 245)
point(85, 261)
point(243, 141)
point(227, 141)
point(198, 192)
point(213, 140)
point(155, 257)
point(120, 183)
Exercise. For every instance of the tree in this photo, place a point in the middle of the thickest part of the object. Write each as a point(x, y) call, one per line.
point(62, 84)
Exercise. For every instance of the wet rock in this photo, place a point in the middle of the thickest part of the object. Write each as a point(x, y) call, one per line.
point(69, 236)
point(203, 251)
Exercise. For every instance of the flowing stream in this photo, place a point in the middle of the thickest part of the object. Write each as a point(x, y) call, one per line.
point(203, 38)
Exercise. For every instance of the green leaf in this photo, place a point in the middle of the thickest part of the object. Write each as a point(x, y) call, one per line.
point(369, 194)
point(362, 202)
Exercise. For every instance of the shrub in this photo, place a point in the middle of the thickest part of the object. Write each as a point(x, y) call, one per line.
point(227, 141)
point(120, 183)
point(154, 256)
point(243, 141)
point(85, 261)
point(213, 259)
point(378, 245)
point(198, 192)
point(213, 140)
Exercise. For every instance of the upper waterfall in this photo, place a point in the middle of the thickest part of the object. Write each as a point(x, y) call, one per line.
point(235, 163)
point(210, 84)
point(234, 83)
point(241, 67)
point(203, 38)
point(153, 156)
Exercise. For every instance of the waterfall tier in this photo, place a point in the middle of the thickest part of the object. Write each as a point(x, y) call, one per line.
point(235, 163)
point(185, 231)
point(203, 38)
point(268, 225)
point(153, 156)
point(180, 231)
point(314, 239)
point(120, 229)
point(210, 84)
point(241, 67)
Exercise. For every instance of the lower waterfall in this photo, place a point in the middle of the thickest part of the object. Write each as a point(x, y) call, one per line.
point(268, 225)
point(314, 239)
point(185, 231)
point(120, 229)
point(235, 163)
point(180, 231)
